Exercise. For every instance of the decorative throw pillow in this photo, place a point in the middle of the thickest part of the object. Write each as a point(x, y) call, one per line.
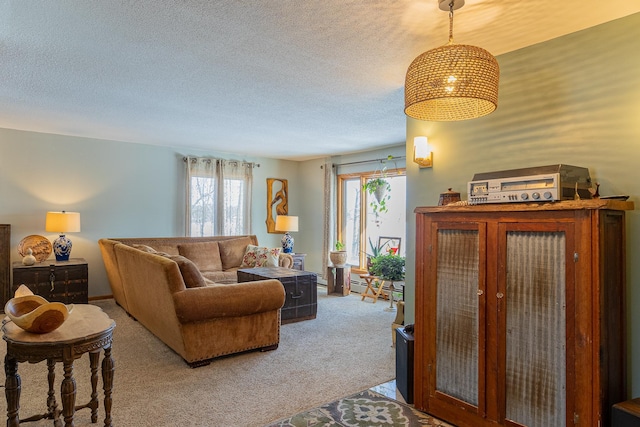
point(190, 273)
point(271, 258)
point(232, 251)
point(259, 256)
point(205, 255)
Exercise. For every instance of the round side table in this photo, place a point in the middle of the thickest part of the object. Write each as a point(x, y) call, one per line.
point(87, 330)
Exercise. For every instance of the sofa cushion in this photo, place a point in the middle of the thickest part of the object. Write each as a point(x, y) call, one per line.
point(145, 248)
point(232, 251)
point(190, 274)
point(229, 276)
point(205, 255)
point(169, 249)
point(260, 256)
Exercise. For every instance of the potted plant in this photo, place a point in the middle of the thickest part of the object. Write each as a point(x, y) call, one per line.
point(389, 267)
point(380, 189)
point(339, 256)
point(376, 251)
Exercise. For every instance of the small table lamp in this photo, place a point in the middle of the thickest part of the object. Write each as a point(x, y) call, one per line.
point(287, 223)
point(62, 222)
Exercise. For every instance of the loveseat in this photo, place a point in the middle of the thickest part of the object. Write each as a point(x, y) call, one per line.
point(184, 290)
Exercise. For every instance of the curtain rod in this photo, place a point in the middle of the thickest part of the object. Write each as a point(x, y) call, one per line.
point(368, 161)
point(252, 164)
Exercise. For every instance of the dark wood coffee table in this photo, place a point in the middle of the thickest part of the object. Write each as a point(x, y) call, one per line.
point(87, 330)
point(300, 286)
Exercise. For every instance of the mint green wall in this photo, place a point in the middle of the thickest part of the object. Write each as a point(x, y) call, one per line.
point(120, 189)
point(573, 100)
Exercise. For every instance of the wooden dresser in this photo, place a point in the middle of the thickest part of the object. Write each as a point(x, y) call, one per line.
point(520, 313)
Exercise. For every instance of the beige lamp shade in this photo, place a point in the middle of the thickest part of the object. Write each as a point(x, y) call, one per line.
point(285, 223)
point(63, 222)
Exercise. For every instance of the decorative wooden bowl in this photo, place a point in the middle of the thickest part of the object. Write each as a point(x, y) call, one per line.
point(40, 246)
point(35, 314)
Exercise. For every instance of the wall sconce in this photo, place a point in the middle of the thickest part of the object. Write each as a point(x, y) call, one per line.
point(421, 153)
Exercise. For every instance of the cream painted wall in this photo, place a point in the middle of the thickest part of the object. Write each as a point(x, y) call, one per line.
point(120, 189)
point(573, 100)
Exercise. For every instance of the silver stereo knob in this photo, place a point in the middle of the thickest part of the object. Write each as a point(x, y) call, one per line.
point(547, 195)
point(524, 196)
point(535, 195)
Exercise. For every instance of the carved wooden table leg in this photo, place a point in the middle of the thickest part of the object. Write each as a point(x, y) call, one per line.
point(52, 405)
point(12, 386)
point(108, 369)
point(68, 392)
point(93, 361)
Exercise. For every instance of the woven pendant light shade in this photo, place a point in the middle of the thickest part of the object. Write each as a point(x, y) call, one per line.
point(452, 82)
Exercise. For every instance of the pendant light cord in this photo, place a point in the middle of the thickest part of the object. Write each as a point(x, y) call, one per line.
point(451, 22)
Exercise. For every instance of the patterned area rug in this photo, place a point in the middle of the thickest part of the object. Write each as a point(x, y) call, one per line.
point(364, 409)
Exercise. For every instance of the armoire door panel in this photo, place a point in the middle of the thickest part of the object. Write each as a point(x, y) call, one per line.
point(535, 332)
point(457, 315)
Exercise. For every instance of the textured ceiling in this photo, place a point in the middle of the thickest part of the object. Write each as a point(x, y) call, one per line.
point(279, 78)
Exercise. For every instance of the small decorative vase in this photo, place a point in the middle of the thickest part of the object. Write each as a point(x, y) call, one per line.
point(29, 259)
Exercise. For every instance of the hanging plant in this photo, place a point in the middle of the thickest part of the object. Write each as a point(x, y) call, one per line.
point(380, 189)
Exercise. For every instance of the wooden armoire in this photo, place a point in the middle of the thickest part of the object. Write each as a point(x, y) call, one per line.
point(520, 313)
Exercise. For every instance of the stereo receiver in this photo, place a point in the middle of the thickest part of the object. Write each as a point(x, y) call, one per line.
point(536, 184)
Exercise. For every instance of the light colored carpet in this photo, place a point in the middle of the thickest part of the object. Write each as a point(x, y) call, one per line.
point(345, 350)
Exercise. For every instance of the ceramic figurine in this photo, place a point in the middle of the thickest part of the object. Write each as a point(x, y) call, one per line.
point(29, 259)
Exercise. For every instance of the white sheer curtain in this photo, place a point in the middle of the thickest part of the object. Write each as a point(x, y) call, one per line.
point(218, 197)
point(236, 180)
point(329, 214)
point(201, 195)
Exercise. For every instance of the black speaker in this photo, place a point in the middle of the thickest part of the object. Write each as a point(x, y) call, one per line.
point(626, 414)
point(404, 363)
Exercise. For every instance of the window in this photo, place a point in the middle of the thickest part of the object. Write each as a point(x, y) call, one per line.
point(358, 222)
point(202, 206)
point(234, 207)
point(219, 197)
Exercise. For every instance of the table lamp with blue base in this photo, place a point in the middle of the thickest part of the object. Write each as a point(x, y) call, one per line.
point(286, 223)
point(62, 222)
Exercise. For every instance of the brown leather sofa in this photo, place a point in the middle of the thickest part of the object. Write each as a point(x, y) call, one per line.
point(198, 317)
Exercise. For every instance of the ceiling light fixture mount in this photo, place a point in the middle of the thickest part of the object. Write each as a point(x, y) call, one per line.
point(451, 82)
